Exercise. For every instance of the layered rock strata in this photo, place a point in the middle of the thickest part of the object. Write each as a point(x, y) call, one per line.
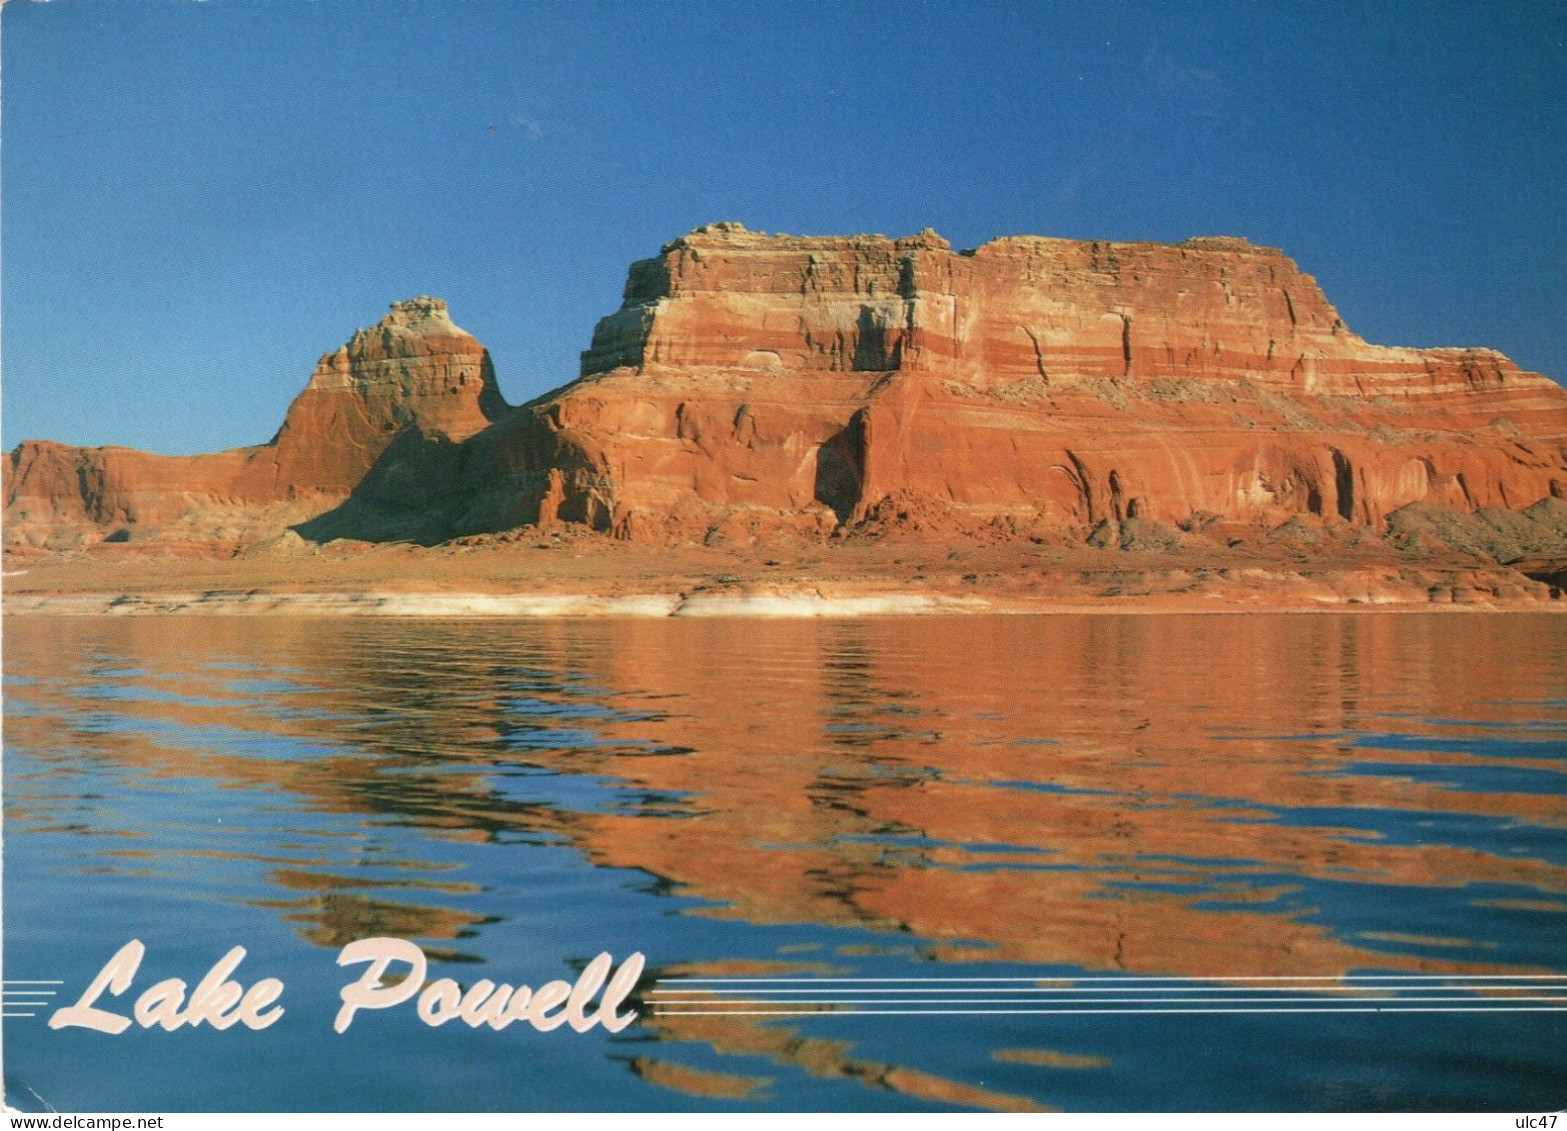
point(755, 384)
point(415, 374)
point(1028, 382)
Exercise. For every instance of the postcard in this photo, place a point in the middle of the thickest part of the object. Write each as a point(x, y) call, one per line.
point(878, 557)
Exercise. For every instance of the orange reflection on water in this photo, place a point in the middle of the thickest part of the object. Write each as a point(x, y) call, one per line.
point(1114, 793)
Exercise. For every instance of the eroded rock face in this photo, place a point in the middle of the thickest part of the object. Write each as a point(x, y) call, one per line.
point(413, 370)
point(1046, 381)
point(754, 384)
point(415, 373)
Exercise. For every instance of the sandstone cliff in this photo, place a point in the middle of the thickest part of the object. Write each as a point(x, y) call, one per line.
point(764, 385)
point(1029, 382)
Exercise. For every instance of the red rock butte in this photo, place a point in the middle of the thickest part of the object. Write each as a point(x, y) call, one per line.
point(757, 385)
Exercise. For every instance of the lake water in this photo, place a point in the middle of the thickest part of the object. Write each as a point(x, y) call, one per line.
point(937, 824)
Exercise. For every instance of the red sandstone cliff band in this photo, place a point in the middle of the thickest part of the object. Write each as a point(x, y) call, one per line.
point(754, 383)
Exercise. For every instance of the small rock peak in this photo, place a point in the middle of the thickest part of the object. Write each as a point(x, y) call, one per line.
point(926, 238)
point(724, 228)
point(719, 234)
point(423, 304)
point(422, 315)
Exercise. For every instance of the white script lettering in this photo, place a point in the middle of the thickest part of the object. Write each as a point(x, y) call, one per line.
point(217, 1001)
point(550, 1006)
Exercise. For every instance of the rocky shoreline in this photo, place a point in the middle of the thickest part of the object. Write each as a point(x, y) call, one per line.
point(780, 606)
point(593, 576)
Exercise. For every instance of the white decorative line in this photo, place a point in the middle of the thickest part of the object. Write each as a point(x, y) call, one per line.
point(1292, 993)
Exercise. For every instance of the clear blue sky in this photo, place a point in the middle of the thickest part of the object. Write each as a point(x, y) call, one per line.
point(201, 198)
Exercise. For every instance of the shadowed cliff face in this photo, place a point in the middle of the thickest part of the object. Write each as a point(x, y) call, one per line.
point(754, 384)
